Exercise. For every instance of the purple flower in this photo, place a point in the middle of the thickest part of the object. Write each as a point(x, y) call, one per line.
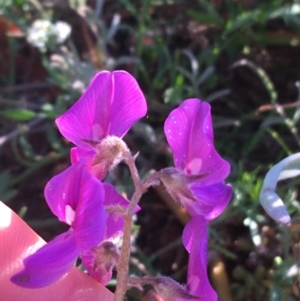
point(79, 199)
point(194, 238)
point(197, 181)
point(101, 259)
point(76, 198)
point(109, 107)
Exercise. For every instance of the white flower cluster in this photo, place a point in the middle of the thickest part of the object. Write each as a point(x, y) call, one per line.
point(44, 34)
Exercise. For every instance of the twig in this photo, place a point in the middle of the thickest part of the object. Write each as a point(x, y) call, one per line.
point(27, 87)
point(22, 129)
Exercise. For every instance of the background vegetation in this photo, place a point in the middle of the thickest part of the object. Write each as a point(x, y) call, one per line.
point(242, 56)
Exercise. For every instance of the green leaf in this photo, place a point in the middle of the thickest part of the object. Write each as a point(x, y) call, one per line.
point(19, 114)
point(6, 193)
point(205, 18)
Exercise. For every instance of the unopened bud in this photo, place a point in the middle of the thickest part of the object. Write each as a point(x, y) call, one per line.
point(167, 288)
point(170, 290)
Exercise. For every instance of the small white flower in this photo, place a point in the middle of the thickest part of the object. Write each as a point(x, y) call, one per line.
point(44, 33)
point(62, 31)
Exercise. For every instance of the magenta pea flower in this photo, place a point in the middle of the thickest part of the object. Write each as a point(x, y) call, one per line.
point(77, 198)
point(106, 111)
point(197, 181)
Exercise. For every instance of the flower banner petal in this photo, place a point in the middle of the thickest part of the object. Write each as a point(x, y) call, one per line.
point(109, 106)
point(85, 119)
point(128, 105)
point(189, 132)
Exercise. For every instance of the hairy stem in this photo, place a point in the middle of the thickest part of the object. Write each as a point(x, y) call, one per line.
point(122, 268)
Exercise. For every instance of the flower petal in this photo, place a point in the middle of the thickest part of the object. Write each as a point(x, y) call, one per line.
point(115, 222)
point(109, 106)
point(77, 198)
point(101, 260)
point(189, 132)
point(101, 274)
point(195, 241)
point(62, 190)
point(76, 154)
point(49, 263)
point(211, 200)
point(128, 105)
point(90, 217)
point(98, 170)
point(19, 241)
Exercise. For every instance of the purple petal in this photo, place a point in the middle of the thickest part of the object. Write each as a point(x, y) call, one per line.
point(115, 222)
point(211, 200)
point(76, 154)
point(128, 105)
point(49, 263)
point(90, 217)
point(110, 106)
point(189, 132)
point(63, 190)
point(195, 241)
point(77, 198)
point(98, 170)
point(101, 274)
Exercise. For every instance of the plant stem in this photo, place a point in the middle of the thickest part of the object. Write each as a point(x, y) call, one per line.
point(122, 268)
point(122, 276)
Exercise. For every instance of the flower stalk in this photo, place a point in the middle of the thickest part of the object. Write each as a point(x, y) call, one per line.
point(123, 265)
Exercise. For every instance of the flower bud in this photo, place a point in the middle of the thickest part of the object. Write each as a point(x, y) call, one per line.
point(166, 288)
point(170, 290)
point(101, 260)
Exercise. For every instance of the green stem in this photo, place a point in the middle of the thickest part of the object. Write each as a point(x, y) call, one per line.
point(37, 166)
